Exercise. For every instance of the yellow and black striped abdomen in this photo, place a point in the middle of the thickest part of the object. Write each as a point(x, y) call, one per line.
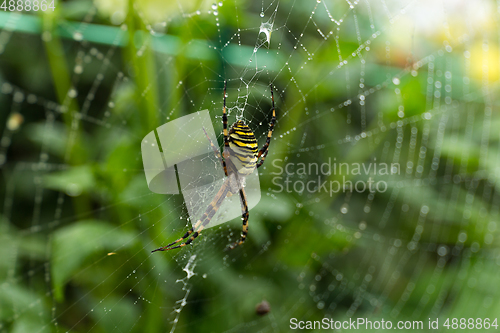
point(243, 148)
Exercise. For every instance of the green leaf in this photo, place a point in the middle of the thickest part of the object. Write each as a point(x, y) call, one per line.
point(73, 181)
point(14, 297)
point(115, 314)
point(14, 246)
point(54, 140)
point(30, 324)
point(73, 244)
point(278, 208)
point(7, 253)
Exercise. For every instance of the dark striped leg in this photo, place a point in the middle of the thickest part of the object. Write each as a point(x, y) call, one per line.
point(186, 235)
point(217, 152)
point(244, 217)
point(262, 159)
point(263, 151)
point(224, 118)
point(203, 221)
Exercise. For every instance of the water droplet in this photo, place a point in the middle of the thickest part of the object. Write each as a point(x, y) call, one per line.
point(73, 190)
point(78, 69)
point(261, 14)
point(78, 36)
point(72, 93)
point(46, 36)
point(15, 121)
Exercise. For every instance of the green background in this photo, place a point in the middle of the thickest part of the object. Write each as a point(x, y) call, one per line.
point(82, 85)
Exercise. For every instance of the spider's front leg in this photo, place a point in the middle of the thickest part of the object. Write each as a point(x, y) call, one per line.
point(186, 235)
point(265, 149)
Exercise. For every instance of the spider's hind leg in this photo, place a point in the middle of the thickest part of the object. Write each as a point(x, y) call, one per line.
point(202, 222)
point(186, 235)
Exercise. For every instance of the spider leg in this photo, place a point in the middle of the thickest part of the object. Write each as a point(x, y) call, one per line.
point(262, 159)
point(186, 235)
point(211, 210)
point(244, 217)
point(203, 221)
point(224, 118)
point(263, 151)
point(217, 152)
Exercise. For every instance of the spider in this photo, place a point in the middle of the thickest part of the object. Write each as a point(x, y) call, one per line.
point(239, 159)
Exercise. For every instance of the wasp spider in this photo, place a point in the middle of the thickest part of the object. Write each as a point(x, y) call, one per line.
point(239, 159)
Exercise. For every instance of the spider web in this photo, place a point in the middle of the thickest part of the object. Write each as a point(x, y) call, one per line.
point(408, 83)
